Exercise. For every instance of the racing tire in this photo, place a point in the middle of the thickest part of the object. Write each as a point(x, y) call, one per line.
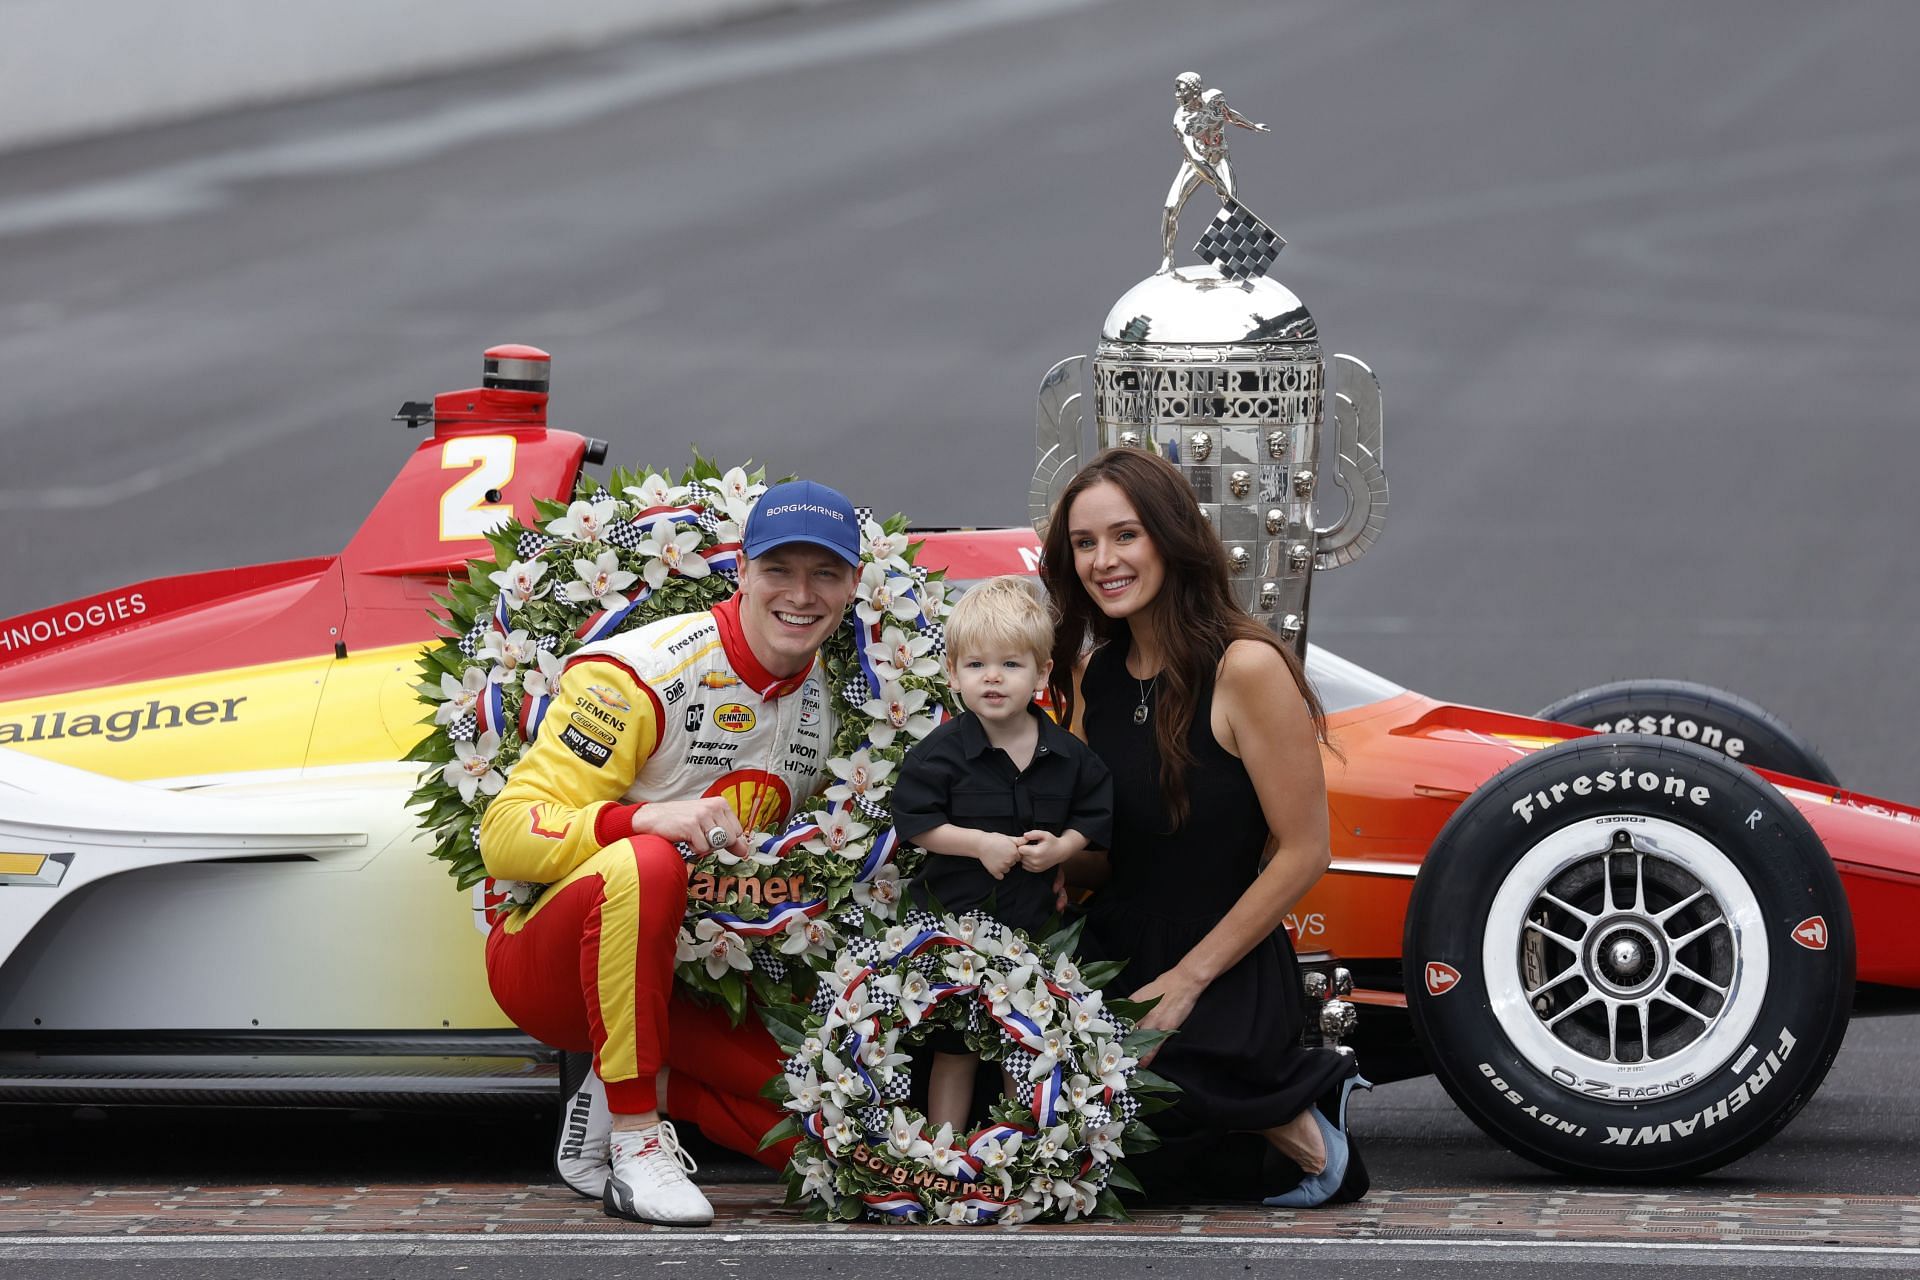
point(1628, 959)
point(1698, 713)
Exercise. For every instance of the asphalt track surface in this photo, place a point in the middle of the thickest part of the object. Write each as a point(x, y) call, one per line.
point(1639, 281)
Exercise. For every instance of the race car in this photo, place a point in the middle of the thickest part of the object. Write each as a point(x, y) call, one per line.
point(1624, 954)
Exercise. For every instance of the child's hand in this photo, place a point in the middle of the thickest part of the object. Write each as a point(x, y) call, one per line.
point(1043, 851)
point(999, 855)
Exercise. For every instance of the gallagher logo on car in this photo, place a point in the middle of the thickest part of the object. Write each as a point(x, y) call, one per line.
point(1441, 978)
point(734, 717)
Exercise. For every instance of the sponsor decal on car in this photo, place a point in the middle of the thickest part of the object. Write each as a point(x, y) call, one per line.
point(1519, 1100)
point(1714, 1113)
point(1441, 978)
point(1682, 727)
point(734, 717)
point(120, 724)
point(1624, 781)
point(1811, 933)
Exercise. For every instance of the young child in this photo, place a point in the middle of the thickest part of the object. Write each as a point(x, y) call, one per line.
point(999, 796)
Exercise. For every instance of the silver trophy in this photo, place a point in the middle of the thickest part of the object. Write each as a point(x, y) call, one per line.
point(1218, 368)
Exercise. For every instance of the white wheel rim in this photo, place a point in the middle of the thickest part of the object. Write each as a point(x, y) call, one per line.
point(1625, 956)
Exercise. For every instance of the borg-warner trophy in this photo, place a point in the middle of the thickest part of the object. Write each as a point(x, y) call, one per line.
point(1218, 368)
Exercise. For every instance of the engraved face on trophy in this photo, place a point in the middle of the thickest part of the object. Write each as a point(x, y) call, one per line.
point(1218, 367)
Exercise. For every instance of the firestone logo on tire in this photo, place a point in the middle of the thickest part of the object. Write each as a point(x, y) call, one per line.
point(1811, 933)
point(1441, 978)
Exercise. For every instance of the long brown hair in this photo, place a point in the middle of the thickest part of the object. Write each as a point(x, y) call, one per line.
point(1195, 614)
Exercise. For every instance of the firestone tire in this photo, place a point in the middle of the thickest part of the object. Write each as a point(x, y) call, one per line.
point(1629, 959)
point(1697, 713)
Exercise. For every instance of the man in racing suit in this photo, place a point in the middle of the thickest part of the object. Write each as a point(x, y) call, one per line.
point(692, 730)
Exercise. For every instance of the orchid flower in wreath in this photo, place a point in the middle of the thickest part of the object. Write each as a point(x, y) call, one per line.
point(1054, 1145)
point(904, 1138)
point(471, 768)
point(880, 895)
point(881, 1053)
point(805, 1090)
point(806, 937)
point(509, 653)
point(887, 550)
point(462, 695)
point(859, 775)
point(1054, 1047)
point(946, 1155)
point(897, 655)
point(584, 521)
point(719, 947)
point(518, 581)
point(542, 680)
point(601, 581)
point(839, 834)
point(897, 709)
point(736, 493)
point(671, 550)
point(1111, 1061)
point(916, 997)
point(1104, 1140)
point(655, 491)
point(882, 596)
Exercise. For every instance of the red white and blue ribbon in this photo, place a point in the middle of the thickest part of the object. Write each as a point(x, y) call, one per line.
point(644, 520)
point(776, 921)
point(1046, 1097)
point(723, 557)
point(1025, 1031)
point(607, 621)
point(533, 709)
point(878, 856)
point(893, 1204)
point(798, 832)
point(490, 712)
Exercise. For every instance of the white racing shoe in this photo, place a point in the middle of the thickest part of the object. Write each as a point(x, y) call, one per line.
point(650, 1183)
point(580, 1153)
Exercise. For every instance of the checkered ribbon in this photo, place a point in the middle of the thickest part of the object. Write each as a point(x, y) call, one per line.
point(1238, 243)
point(937, 632)
point(531, 544)
point(625, 534)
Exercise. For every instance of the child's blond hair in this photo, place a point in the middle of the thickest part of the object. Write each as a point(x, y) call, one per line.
point(1000, 613)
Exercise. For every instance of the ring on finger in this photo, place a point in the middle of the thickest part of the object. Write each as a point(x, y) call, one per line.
point(717, 837)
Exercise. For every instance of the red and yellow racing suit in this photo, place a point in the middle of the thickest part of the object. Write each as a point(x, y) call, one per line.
point(676, 710)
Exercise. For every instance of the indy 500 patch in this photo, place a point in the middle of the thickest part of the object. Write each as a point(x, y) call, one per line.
point(594, 753)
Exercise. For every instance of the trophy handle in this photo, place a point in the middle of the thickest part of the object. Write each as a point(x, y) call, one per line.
point(1057, 438)
point(1361, 471)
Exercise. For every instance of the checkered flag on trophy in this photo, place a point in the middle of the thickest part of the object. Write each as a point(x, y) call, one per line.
point(1238, 243)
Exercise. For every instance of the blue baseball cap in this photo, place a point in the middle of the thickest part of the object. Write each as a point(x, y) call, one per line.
point(803, 511)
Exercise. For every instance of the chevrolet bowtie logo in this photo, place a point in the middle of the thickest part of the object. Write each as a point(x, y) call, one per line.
point(34, 868)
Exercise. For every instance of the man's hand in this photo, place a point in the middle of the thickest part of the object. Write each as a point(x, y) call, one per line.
point(690, 821)
point(1043, 851)
point(998, 854)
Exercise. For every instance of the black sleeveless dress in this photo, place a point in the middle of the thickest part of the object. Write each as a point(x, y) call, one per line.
point(1237, 1058)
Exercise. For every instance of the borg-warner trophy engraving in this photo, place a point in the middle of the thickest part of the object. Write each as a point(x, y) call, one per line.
point(1200, 122)
point(1218, 368)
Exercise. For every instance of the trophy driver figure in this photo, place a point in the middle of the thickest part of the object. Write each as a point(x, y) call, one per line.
point(1201, 122)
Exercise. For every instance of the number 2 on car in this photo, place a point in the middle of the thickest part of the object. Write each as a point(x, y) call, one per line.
point(466, 508)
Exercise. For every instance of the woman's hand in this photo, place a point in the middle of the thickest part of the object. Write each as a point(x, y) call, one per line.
point(1177, 994)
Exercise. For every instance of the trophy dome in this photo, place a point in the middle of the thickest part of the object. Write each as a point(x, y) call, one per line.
point(1197, 305)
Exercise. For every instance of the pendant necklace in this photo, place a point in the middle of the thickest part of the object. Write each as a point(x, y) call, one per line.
point(1142, 711)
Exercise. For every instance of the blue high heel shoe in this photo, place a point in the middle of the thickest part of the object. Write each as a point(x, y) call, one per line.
point(1344, 1178)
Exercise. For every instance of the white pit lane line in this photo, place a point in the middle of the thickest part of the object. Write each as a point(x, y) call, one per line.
point(1003, 1243)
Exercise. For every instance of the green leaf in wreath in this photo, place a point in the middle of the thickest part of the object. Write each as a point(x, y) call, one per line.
point(787, 1128)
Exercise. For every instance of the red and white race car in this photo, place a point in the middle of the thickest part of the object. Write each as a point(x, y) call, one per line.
point(1624, 955)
